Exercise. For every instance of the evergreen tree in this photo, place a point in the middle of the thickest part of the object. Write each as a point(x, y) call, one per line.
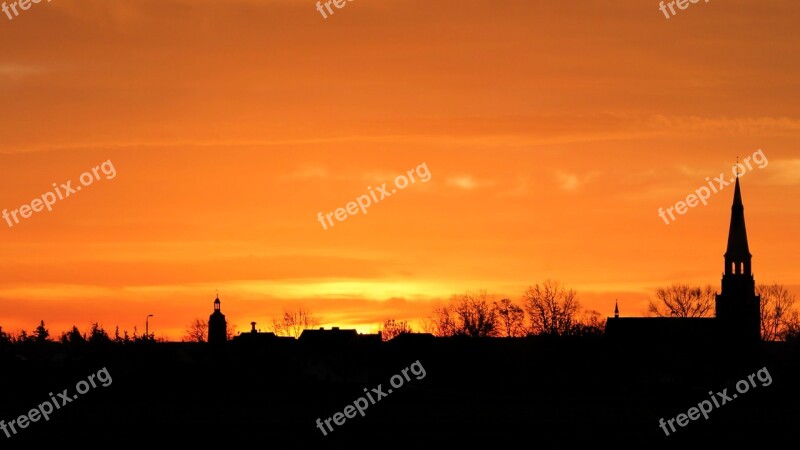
point(41, 334)
point(73, 337)
point(98, 335)
point(4, 337)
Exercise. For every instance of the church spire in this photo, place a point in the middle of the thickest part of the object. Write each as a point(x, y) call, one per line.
point(738, 306)
point(737, 256)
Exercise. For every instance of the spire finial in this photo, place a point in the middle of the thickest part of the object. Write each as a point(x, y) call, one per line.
point(616, 309)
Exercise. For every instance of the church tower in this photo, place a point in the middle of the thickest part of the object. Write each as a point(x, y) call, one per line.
point(738, 306)
point(217, 327)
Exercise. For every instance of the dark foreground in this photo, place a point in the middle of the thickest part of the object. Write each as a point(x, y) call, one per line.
point(470, 393)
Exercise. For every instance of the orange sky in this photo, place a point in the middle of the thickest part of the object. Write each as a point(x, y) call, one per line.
point(553, 132)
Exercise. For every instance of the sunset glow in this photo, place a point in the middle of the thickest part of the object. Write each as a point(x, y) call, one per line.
point(231, 125)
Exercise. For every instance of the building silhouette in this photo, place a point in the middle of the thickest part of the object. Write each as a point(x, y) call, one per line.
point(738, 308)
point(256, 336)
point(337, 355)
point(217, 326)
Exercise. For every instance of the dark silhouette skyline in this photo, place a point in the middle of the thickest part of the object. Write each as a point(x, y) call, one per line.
point(738, 309)
point(569, 382)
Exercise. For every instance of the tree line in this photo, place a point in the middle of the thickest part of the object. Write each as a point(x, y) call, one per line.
point(550, 309)
point(546, 308)
point(96, 335)
point(780, 319)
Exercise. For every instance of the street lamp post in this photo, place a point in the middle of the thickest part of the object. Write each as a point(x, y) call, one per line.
point(147, 326)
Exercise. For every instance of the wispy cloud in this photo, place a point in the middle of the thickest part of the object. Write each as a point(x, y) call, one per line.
point(724, 125)
point(784, 172)
point(696, 172)
point(571, 182)
point(467, 182)
point(16, 71)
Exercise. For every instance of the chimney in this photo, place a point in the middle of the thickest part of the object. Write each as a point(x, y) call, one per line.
point(253, 324)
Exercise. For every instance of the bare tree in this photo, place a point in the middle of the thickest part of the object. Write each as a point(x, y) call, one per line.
point(591, 323)
point(390, 329)
point(792, 327)
point(510, 317)
point(230, 331)
point(427, 325)
point(444, 321)
point(682, 300)
point(469, 314)
point(778, 315)
point(197, 331)
point(477, 314)
point(551, 308)
point(293, 322)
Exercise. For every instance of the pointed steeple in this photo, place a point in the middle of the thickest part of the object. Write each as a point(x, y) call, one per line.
point(738, 249)
point(738, 307)
point(616, 309)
